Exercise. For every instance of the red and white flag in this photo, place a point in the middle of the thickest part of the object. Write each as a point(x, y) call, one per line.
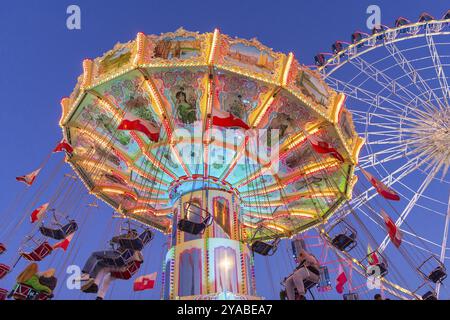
point(372, 256)
point(146, 282)
point(38, 212)
point(227, 120)
point(380, 187)
point(392, 229)
point(29, 178)
point(63, 244)
point(63, 146)
point(324, 147)
point(131, 122)
point(341, 280)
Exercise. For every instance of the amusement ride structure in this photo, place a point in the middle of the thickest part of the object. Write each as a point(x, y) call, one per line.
point(201, 171)
point(233, 150)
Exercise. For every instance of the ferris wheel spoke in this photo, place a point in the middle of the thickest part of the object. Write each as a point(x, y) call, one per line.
point(373, 159)
point(391, 85)
point(444, 244)
point(389, 180)
point(411, 204)
point(439, 68)
point(369, 98)
point(412, 73)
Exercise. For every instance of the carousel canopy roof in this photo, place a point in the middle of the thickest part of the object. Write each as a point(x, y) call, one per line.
point(169, 91)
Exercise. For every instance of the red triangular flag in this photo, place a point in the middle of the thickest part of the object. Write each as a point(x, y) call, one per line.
point(63, 244)
point(131, 122)
point(392, 230)
point(227, 120)
point(324, 147)
point(380, 187)
point(63, 146)
point(38, 212)
point(341, 280)
point(145, 282)
point(29, 178)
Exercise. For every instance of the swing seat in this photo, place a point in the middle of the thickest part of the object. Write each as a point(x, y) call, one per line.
point(308, 284)
point(24, 292)
point(4, 269)
point(42, 251)
point(61, 233)
point(194, 228)
point(264, 248)
point(137, 243)
point(382, 268)
point(351, 296)
point(344, 242)
point(2, 248)
point(3, 294)
point(122, 259)
point(430, 295)
point(130, 271)
point(438, 275)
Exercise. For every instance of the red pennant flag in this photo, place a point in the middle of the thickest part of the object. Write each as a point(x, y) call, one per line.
point(323, 147)
point(341, 280)
point(29, 178)
point(380, 187)
point(131, 122)
point(394, 232)
point(227, 120)
point(63, 244)
point(63, 146)
point(37, 213)
point(145, 282)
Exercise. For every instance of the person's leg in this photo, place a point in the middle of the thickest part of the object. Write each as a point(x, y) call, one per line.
point(290, 286)
point(103, 289)
point(100, 276)
point(90, 264)
point(299, 276)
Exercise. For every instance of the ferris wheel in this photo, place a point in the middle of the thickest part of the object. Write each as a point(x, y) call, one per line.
point(396, 80)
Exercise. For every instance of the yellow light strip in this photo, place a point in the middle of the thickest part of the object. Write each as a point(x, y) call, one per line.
point(299, 138)
point(274, 227)
point(87, 73)
point(260, 112)
point(158, 213)
point(153, 93)
point(213, 50)
point(96, 137)
point(108, 106)
point(357, 149)
point(140, 48)
point(337, 107)
point(287, 69)
point(65, 109)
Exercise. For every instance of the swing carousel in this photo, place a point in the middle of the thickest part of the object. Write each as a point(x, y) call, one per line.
point(220, 143)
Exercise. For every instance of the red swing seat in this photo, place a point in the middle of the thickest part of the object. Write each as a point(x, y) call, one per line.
point(2, 248)
point(24, 292)
point(3, 294)
point(39, 253)
point(4, 269)
point(128, 272)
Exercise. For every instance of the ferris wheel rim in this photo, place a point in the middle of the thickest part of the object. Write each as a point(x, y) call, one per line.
point(364, 45)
